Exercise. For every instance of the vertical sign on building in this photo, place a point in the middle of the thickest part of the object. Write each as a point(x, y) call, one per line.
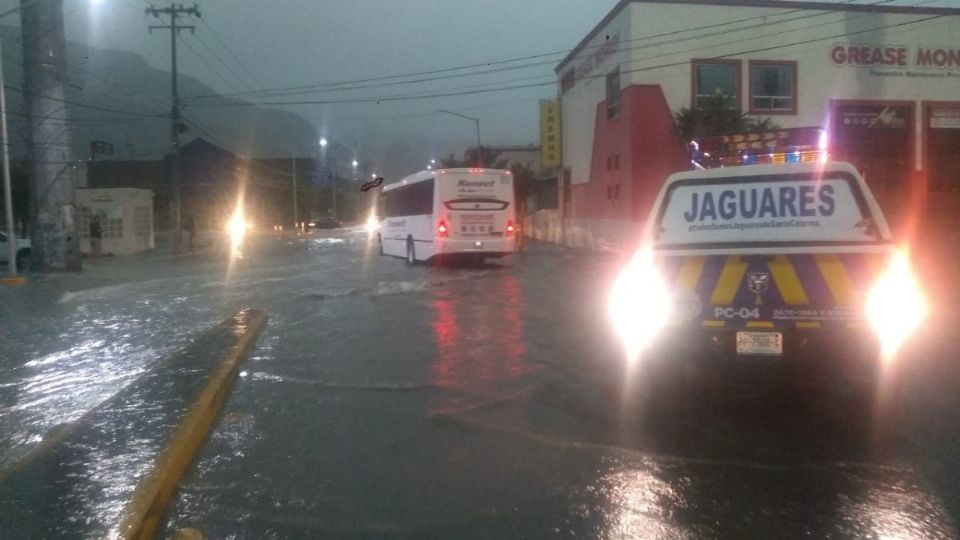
point(550, 157)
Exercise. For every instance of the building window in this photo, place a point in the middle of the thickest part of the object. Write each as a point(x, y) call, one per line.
point(773, 87)
point(613, 162)
point(713, 76)
point(613, 93)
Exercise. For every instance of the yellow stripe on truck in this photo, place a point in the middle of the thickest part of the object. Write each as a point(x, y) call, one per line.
point(729, 281)
point(838, 281)
point(759, 324)
point(690, 272)
point(787, 281)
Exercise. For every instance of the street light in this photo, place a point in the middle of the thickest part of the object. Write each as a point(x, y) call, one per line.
point(323, 142)
point(477, 122)
point(355, 163)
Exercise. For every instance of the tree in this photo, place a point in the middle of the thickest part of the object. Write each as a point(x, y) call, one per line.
point(523, 184)
point(718, 116)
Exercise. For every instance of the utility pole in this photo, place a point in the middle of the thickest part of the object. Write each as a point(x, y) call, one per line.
point(333, 174)
point(7, 183)
point(53, 178)
point(175, 11)
point(296, 210)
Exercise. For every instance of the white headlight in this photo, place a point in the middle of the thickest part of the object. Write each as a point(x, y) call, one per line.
point(896, 306)
point(639, 303)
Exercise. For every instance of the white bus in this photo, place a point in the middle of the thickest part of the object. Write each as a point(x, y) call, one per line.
point(448, 213)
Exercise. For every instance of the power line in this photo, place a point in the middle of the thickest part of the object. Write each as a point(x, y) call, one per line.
point(333, 86)
point(256, 82)
point(474, 90)
point(208, 65)
point(23, 117)
point(243, 84)
point(541, 63)
point(82, 105)
point(129, 91)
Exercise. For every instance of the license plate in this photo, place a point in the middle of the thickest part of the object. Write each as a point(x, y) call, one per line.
point(769, 343)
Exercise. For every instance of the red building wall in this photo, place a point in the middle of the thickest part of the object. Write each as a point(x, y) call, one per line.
point(633, 153)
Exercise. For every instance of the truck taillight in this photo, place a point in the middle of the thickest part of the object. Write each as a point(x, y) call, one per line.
point(442, 228)
point(510, 227)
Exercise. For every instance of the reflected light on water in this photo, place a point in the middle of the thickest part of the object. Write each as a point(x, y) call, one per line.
point(907, 512)
point(61, 386)
point(479, 346)
point(638, 505)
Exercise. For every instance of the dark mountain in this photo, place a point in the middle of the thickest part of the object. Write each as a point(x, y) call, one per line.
point(123, 81)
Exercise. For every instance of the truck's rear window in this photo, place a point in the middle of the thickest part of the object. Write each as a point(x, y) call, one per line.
point(756, 210)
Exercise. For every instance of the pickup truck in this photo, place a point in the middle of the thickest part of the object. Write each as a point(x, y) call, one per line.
point(22, 252)
point(790, 264)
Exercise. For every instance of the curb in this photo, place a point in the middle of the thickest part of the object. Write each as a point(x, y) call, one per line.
point(141, 516)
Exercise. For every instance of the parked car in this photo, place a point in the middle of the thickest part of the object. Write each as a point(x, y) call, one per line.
point(23, 248)
point(326, 223)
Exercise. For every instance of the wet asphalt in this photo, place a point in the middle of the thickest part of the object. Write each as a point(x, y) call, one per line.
point(480, 402)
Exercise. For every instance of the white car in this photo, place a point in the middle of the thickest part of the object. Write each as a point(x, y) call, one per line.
point(22, 251)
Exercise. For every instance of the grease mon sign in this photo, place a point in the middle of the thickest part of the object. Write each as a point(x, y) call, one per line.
point(895, 56)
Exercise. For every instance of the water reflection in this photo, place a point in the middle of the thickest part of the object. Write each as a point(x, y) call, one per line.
point(480, 345)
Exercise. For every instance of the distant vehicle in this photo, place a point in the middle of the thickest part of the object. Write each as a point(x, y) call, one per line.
point(326, 223)
point(23, 248)
point(448, 214)
point(770, 261)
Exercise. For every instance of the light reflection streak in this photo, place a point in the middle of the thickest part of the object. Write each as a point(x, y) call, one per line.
point(480, 346)
point(639, 502)
point(897, 512)
point(372, 235)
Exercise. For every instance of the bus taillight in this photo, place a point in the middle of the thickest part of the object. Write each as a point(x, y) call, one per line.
point(509, 227)
point(442, 228)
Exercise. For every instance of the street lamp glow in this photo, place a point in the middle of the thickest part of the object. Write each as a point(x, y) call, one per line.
point(323, 142)
point(355, 163)
point(433, 162)
point(373, 175)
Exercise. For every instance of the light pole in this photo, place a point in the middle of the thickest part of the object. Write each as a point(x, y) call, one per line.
point(477, 122)
point(7, 184)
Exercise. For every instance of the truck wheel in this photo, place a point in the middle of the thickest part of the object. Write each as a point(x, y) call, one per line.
point(23, 260)
point(411, 254)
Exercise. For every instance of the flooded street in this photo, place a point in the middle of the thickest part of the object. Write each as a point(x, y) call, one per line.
point(386, 400)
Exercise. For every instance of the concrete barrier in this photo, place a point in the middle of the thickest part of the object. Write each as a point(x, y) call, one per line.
point(142, 515)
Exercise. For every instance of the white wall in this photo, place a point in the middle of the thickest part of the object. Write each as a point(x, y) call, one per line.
point(119, 208)
point(663, 57)
point(578, 105)
point(770, 34)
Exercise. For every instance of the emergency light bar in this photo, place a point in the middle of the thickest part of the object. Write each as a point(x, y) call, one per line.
point(795, 145)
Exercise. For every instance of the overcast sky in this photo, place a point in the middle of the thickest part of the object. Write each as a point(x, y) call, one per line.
point(287, 43)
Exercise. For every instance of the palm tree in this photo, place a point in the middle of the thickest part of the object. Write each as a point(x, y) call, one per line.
point(718, 115)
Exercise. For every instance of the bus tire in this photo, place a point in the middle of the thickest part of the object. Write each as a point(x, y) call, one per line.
point(411, 252)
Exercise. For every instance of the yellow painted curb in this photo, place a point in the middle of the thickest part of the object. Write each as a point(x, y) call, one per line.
point(13, 281)
point(142, 514)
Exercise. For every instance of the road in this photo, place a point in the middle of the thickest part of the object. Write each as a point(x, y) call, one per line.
point(417, 402)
